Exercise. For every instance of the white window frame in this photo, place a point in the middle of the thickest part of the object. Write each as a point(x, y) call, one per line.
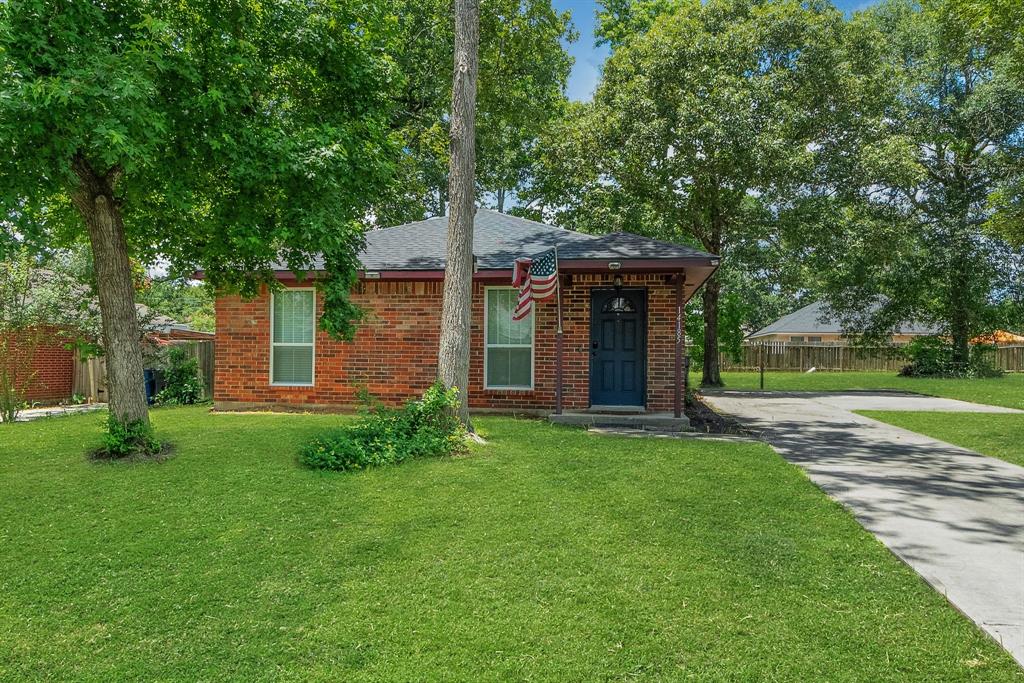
point(273, 295)
point(488, 346)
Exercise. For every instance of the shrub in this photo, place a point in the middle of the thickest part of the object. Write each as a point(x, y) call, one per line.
point(929, 357)
point(182, 384)
point(933, 357)
point(125, 439)
point(422, 429)
point(982, 363)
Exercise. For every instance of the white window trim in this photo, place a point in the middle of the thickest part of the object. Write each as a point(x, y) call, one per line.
point(273, 295)
point(487, 346)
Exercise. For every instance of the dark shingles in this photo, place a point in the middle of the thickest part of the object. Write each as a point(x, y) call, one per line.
point(498, 239)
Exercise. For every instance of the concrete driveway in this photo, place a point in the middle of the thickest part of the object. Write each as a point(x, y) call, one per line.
point(955, 516)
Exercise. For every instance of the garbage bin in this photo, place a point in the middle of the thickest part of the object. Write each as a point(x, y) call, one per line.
point(149, 375)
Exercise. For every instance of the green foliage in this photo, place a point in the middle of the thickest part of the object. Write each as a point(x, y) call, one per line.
point(523, 71)
point(703, 129)
point(425, 428)
point(235, 135)
point(122, 440)
point(181, 300)
point(923, 170)
point(620, 21)
point(182, 383)
point(936, 357)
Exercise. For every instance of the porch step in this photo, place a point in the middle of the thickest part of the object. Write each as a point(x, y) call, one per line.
point(661, 422)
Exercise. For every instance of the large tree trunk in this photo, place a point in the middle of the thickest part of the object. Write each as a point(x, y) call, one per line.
point(712, 376)
point(94, 199)
point(453, 351)
point(959, 297)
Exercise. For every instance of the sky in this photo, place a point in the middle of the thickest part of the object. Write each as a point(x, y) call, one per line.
point(587, 69)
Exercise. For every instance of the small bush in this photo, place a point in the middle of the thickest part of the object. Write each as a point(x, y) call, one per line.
point(182, 384)
point(422, 429)
point(933, 357)
point(124, 439)
point(982, 363)
point(929, 357)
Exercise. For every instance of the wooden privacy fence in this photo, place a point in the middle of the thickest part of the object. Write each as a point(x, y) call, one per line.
point(784, 356)
point(90, 376)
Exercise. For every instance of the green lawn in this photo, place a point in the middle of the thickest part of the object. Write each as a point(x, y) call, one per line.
point(1001, 436)
point(549, 554)
point(1005, 391)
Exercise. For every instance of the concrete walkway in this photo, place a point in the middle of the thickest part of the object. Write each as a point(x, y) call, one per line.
point(30, 414)
point(956, 517)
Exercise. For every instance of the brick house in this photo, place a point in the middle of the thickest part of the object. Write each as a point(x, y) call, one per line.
point(43, 359)
point(622, 300)
point(42, 353)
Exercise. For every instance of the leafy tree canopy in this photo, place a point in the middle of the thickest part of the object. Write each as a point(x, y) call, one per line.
point(234, 134)
point(523, 71)
point(703, 123)
point(925, 162)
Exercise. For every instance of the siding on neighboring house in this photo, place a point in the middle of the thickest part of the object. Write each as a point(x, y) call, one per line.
point(394, 354)
point(820, 338)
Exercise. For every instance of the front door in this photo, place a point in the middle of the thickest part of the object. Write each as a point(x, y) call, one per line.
point(618, 347)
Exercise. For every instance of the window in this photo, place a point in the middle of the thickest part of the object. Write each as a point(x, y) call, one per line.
point(814, 340)
point(619, 304)
point(508, 353)
point(292, 326)
point(796, 339)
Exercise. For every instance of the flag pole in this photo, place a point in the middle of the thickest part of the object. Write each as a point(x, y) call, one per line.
point(558, 338)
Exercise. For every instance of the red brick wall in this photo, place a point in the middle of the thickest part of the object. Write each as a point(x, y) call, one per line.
point(41, 353)
point(394, 354)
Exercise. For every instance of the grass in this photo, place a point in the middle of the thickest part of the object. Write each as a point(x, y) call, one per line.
point(1000, 436)
point(1004, 391)
point(549, 554)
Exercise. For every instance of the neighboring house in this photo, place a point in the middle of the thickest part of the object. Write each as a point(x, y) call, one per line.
point(42, 353)
point(621, 295)
point(1000, 338)
point(47, 355)
point(812, 325)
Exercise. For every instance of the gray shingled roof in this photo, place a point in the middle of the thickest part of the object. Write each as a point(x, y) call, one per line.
point(498, 239)
point(812, 319)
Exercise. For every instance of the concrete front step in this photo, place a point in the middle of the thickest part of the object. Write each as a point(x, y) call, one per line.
point(662, 422)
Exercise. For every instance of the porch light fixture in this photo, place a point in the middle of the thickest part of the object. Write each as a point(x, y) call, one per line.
point(614, 265)
point(617, 282)
point(371, 275)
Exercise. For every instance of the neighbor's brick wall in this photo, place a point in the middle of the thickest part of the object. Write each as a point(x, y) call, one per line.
point(394, 354)
point(50, 366)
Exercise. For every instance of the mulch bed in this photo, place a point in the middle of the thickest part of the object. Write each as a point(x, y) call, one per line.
point(705, 420)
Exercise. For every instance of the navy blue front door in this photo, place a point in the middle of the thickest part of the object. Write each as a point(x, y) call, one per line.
point(618, 347)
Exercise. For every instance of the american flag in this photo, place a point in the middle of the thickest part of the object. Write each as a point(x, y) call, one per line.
point(536, 278)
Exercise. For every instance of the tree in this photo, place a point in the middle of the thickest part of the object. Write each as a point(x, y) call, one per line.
point(181, 300)
point(456, 309)
point(41, 302)
point(935, 133)
point(705, 122)
point(523, 71)
point(218, 136)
